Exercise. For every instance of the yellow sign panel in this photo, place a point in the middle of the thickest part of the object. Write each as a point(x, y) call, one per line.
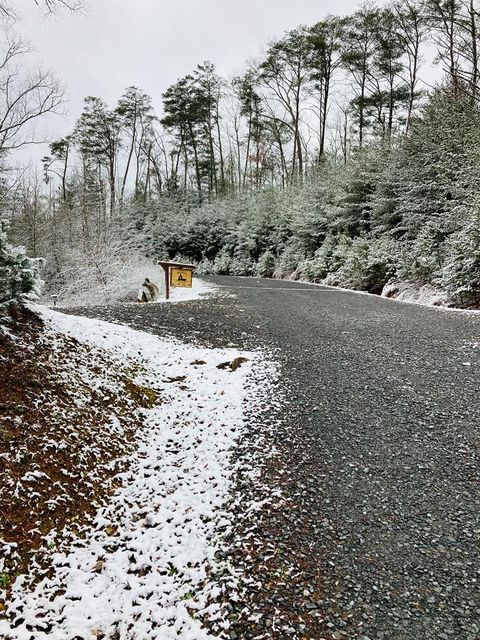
point(180, 277)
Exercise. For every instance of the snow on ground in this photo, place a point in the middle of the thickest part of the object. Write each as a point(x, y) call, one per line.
point(146, 569)
point(425, 295)
point(120, 283)
point(405, 292)
point(199, 290)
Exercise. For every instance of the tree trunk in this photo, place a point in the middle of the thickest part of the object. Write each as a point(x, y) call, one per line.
point(197, 164)
point(130, 154)
point(64, 174)
point(473, 33)
point(220, 151)
point(247, 152)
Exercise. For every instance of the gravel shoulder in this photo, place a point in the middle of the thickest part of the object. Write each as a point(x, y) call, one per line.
point(377, 458)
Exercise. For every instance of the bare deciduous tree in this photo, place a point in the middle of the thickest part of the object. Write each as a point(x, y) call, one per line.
point(411, 25)
point(54, 5)
point(24, 97)
point(51, 6)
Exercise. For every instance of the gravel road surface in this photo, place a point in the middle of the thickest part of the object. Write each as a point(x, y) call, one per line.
point(384, 464)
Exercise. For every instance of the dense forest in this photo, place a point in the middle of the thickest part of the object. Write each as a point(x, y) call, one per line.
point(346, 153)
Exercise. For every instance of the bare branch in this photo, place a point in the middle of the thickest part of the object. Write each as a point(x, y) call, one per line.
point(53, 6)
point(7, 10)
point(24, 97)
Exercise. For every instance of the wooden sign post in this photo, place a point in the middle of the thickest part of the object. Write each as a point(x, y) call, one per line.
point(177, 274)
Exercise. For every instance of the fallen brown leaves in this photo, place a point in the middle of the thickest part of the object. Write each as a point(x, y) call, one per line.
point(235, 364)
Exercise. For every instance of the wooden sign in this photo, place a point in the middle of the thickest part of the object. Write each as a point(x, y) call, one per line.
point(176, 275)
point(180, 277)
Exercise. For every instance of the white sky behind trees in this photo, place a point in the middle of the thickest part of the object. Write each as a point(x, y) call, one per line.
point(151, 43)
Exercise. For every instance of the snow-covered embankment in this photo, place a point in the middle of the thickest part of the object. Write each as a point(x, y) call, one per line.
point(147, 567)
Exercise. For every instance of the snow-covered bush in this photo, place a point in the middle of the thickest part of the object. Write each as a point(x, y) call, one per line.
point(240, 263)
point(368, 266)
point(105, 269)
point(19, 275)
point(354, 269)
point(266, 265)
point(461, 272)
point(382, 264)
point(329, 258)
point(119, 281)
point(420, 260)
point(205, 267)
point(242, 266)
point(288, 261)
point(222, 264)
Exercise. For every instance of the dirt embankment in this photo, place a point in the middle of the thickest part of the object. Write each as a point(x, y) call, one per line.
point(68, 418)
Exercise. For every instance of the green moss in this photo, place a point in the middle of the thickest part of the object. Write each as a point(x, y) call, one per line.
point(5, 436)
point(5, 580)
point(142, 396)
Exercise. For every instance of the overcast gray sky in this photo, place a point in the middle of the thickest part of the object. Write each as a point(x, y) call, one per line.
point(151, 43)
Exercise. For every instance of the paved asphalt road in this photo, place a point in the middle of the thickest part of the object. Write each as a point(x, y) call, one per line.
point(385, 397)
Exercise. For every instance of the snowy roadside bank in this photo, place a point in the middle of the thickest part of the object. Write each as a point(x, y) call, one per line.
point(406, 293)
point(121, 285)
point(400, 292)
point(148, 567)
point(425, 295)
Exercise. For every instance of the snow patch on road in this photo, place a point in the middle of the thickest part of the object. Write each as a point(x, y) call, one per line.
point(148, 567)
